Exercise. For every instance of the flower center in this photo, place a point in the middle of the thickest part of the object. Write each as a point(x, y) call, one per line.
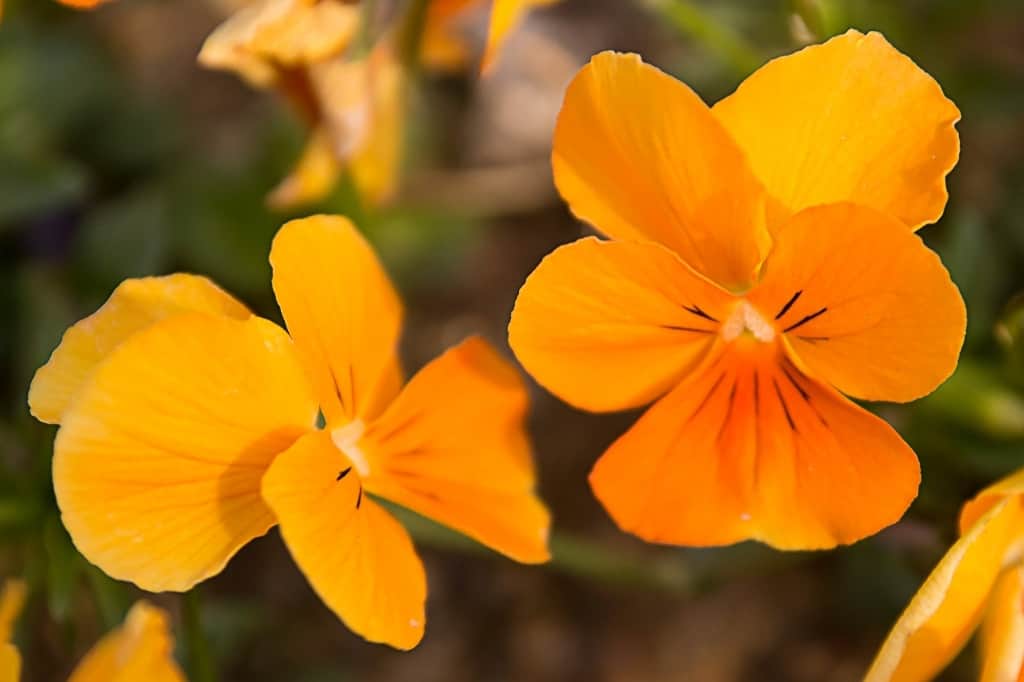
point(746, 318)
point(346, 438)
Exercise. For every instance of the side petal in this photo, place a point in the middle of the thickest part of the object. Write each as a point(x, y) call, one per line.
point(341, 310)
point(864, 305)
point(1010, 486)
point(947, 608)
point(157, 467)
point(141, 649)
point(506, 15)
point(454, 448)
point(850, 120)
point(639, 156)
point(613, 325)
point(748, 448)
point(134, 305)
point(356, 556)
point(1002, 634)
point(312, 178)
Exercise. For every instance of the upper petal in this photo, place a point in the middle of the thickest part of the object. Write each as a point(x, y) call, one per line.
point(134, 305)
point(506, 15)
point(850, 120)
point(613, 325)
point(356, 556)
point(141, 649)
point(638, 155)
point(750, 448)
point(342, 312)
point(453, 447)
point(947, 607)
point(863, 304)
point(157, 466)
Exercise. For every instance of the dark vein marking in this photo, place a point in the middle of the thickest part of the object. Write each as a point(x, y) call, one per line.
point(695, 309)
point(804, 320)
point(728, 412)
point(800, 389)
point(757, 395)
point(359, 500)
point(789, 304)
point(685, 329)
point(785, 407)
point(813, 339)
point(714, 387)
point(343, 474)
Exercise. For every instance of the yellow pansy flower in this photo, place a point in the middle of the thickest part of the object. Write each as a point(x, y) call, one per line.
point(140, 649)
point(187, 434)
point(980, 580)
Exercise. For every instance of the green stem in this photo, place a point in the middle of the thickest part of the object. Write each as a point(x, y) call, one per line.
point(692, 19)
point(200, 662)
point(367, 26)
point(410, 39)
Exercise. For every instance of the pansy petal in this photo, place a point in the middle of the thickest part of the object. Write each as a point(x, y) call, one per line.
point(613, 325)
point(1002, 635)
point(750, 448)
point(341, 310)
point(850, 120)
point(141, 649)
point(157, 466)
point(453, 447)
point(506, 15)
point(313, 177)
point(639, 156)
point(82, 4)
point(10, 659)
point(12, 601)
point(1010, 486)
point(134, 305)
point(866, 306)
point(947, 607)
point(356, 556)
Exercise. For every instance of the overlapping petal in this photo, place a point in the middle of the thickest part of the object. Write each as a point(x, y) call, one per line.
point(157, 467)
point(639, 156)
point(453, 447)
point(852, 119)
point(747, 447)
point(1002, 635)
point(134, 305)
point(612, 325)
point(357, 557)
point(141, 649)
point(863, 304)
point(342, 313)
point(948, 607)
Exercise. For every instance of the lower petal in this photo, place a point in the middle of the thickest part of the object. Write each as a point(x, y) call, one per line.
point(749, 448)
point(356, 556)
point(947, 608)
point(134, 305)
point(157, 466)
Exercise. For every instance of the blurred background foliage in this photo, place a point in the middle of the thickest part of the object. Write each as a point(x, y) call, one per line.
point(120, 157)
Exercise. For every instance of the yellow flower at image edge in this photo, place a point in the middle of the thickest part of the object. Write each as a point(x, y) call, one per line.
point(979, 580)
point(141, 649)
point(188, 428)
point(762, 262)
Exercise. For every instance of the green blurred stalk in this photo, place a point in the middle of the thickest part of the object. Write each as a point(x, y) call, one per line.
point(367, 26)
point(201, 667)
point(410, 38)
point(976, 397)
point(695, 21)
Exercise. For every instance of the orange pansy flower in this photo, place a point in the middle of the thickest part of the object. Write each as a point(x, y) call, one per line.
point(188, 428)
point(980, 580)
point(141, 649)
point(762, 263)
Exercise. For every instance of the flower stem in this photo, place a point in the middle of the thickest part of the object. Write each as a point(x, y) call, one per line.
point(200, 662)
point(411, 36)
